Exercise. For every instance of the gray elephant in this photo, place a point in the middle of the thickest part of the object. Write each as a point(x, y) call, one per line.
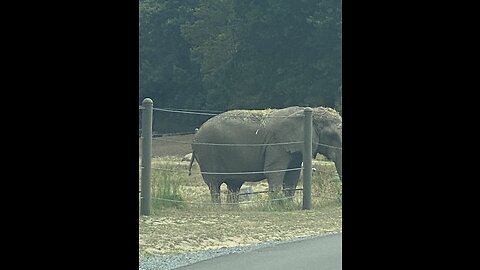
point(251, 145)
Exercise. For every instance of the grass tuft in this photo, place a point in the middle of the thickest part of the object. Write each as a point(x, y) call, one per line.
point(166, 192)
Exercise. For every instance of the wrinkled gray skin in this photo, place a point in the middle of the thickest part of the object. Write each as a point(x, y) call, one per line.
point(262, 127)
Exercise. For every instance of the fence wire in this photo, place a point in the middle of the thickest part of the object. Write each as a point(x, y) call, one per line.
point(156, 137)
point(215, 113)
point(228, 173)
point(224, 203)
point(237, 173)
point(184, 112)
point(244, 144)
point(210, 112)
point(330, 146)
point(194, 110)
point(229, 144)
point(242, 202)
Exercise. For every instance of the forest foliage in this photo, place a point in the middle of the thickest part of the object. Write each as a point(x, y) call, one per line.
point(239, 54)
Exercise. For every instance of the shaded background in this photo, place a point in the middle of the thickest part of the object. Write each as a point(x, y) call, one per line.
point(227, 54)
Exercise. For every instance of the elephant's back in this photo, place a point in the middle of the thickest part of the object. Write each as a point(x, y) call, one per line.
point(231, 131)
point(242, 126)
point(231, 123)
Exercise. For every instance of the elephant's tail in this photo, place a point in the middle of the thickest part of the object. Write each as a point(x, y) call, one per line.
point(191, 164)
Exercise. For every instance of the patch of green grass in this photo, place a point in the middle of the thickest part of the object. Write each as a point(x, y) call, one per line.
point(165, 191)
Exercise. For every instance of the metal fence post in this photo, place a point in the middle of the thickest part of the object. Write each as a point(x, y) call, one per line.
point(145, 208)
point(307, 160)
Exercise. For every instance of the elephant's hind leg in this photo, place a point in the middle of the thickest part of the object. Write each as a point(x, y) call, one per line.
point(233, 190)
point(214, 187)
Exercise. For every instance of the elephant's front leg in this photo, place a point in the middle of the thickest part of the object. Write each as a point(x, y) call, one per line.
point(290, 183)
point(290, 180)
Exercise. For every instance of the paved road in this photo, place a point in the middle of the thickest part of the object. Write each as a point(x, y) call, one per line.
point(322, 253)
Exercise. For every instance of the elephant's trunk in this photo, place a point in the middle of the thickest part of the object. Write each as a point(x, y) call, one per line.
point(191, 163)
point(338, 164)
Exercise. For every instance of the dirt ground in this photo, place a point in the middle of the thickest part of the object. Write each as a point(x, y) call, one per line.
point(169, 146)
point(201, 226)
point(176, 231)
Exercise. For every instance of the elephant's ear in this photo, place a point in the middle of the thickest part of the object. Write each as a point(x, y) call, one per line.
point(289, 129)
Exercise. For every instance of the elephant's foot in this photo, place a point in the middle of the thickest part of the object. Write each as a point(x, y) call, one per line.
point(289, 192)
point(216, 198)
point(233, 191)
point(232, 198)
point(215, 192)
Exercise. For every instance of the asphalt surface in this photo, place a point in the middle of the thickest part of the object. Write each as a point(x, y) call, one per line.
point(322, 253)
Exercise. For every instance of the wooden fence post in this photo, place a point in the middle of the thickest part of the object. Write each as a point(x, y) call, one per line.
point(307, 160)
point(147, 116)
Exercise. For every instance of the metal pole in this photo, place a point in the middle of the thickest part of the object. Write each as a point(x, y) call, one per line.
point(147, 116)
point(307, 160)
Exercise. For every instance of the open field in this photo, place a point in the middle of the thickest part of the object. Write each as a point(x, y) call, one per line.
point(163, 146)
point(187, 221)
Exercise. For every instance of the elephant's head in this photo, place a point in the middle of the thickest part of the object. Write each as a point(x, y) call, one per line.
point(329, 130)
point(327, 133)
point(330, 145)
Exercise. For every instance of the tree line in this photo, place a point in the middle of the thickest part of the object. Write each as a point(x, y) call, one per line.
point(228, 54)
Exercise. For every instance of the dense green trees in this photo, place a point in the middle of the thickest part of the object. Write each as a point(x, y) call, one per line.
point(225, 54)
